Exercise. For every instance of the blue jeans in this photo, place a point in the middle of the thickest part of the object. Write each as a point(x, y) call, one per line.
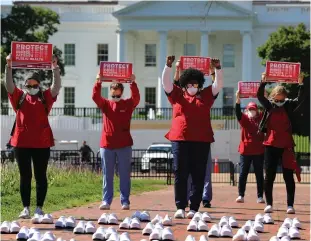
point(207, 191)
point(109, 158)
point(245, 164)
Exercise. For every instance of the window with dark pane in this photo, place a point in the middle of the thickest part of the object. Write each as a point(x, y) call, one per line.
point(150, 97)
point(150, 55)
point(102, 53)
point(70, 54)
point(69, 100)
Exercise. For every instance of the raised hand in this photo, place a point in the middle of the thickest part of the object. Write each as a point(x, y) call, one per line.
point(215, 63)
point(237, 95)
point(9, 61)
point(263, 77)
point(300, 79)
point(170, 60)
point(133, 78)
point(177, 64)
point(54, 61)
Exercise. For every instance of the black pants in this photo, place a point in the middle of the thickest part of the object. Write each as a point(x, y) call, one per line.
point(273, 156)
point(189, 158)
point(245, 164)
point(40, 158)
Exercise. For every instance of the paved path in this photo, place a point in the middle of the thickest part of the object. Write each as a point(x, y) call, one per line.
point(162, 202)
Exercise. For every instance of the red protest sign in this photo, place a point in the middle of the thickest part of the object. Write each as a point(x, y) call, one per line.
point(196, 62)
point(282, 71)
point(29, 55)
point(116, 72)
point(248, 89)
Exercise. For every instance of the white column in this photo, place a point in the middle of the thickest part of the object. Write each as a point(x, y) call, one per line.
point(161, 100)
point(246, 56)
point(204, 43)
point(121, 45)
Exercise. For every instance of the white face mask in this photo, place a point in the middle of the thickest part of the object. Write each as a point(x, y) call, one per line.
point(116, 99)
point(32, 91)
point(192, 91)
point(251, 113)
point(279, 104)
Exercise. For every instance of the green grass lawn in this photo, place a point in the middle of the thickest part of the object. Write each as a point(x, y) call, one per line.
point(67, 188)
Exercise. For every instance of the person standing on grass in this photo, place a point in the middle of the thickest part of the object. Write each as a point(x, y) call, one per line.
point(251, 148)
point(116, 140)
point(207, 191)
point(85, 152)
point(32, 135)
point(191, 130)
point(278, 140)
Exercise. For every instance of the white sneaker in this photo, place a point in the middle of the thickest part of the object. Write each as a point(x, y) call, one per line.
point(144, 216)
point(156, 219)
point(233, 223)
point(283, 231)
point(259, 218)
point(226, 231)
point(148, 229)
point(90, 227)
point(159, 226)
point(203, 238)
point(197, 216)
point(80, 228)
point(224, 221)
point(285, 238)
point(136, 214)
point(248, 225)
point(258, 227)
point(294, 233)
point(167, 234)
point(214, 231)
point(48, 236)
point(32, 231)
point(206, 217)
point(125, 224)
point(191, 214)
point(267, 219)
point(114, 237)
point(103, 219)
point(109, 232)
point(135, 224)
point(156, 234)
point(104, 206)
point(192, 226)
point(290, 210)
point(268, 209)
point(202, 226)
point(124, 237)
point(112, 219)
point(296, 223)
point(274, 238)
point(15, 227)
point(241, 235)
point(180, 214)
point(5, 227)
point(36, 219)
point(23, 233)
point(287, 222)
point(190, 238)
point(252, 235)
point(25, 214)
point(125, 207)
point(99, 234)
point(70, 222)
point(47, 219)
point(61, 222)
point(240, 199)
point(260, 200)
point(167, 221)
point(36, 236)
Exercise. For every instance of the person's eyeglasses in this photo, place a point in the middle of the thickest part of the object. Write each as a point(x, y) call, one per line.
point(32, 86)
point(279, 101)
point(192, 85)
point(116, 96)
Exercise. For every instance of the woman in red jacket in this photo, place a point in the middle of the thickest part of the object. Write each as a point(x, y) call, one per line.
point(116, 140)
point(278, 140)
point(32, 136)
point(251, 148)
point(191, 131)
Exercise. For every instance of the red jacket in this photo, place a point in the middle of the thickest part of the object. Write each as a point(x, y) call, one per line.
point(251, 140)
point(191, 116)
point(116, 118)
point(32, 128)
point(279, 132)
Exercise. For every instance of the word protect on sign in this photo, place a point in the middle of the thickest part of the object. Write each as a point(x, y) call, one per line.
point(29, 55)
point(196, 62)
point(116, 71)
point(248, 89)
point(282, 71)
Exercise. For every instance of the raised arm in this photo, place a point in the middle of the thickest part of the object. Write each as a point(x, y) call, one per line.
point(96, 96)
point(238, 112)
point(135, 96)
point(216, 71)
point(261, 94)
point(56, 83)
point(166, 75)
point(8, 81)
point(301, 93)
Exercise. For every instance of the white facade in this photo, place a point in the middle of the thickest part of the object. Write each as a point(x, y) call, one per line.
point(228, 30)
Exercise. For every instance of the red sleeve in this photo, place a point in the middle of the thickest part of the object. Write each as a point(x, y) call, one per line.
point(15, 97)
point(97, 97)
point(207, 95)
point(175, 95)
point(135, 96)
point(244, 120)
point(49, 99)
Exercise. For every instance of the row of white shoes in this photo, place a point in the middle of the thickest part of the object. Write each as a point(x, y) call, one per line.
point(63, 222)
point(181, 214)
point(158, 232)
point(205, 217)
point(44, 219)
point(106, 218)
point(110, 234)
point(200, 226)
point(289, 228)
point(191, 238)
point(295, 223)
point(256, 225)
point(130, 223)
point(166, 221)
point(220, 231)
point(266, 218)
point(231, 221)
point(143, 216)
point(242, 235)
point(10, 227)
point(33, 234)
point(84, 227)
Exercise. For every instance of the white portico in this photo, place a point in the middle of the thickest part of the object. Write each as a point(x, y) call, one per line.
point(191, 24)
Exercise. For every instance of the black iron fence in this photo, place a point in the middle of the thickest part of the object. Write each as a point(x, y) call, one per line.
point(158, 165)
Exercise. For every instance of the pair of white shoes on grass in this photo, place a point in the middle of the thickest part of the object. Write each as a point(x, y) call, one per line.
point(231, 221)
point(110, 234)
point(25, 214)
point(220, 231)
point(166, 221)
point(158, 232)
point(34, 234)
point(191, 238)
point(197, 226)
point(269, 209)
point(106, 218)
point(84, 227)
point(130, 223)
point(143, 216)
point(42, 219)
point(265, 219)
point(10, 227)
point(63, 222)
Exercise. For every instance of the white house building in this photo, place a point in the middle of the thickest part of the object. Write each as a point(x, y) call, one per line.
point(144, 32)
